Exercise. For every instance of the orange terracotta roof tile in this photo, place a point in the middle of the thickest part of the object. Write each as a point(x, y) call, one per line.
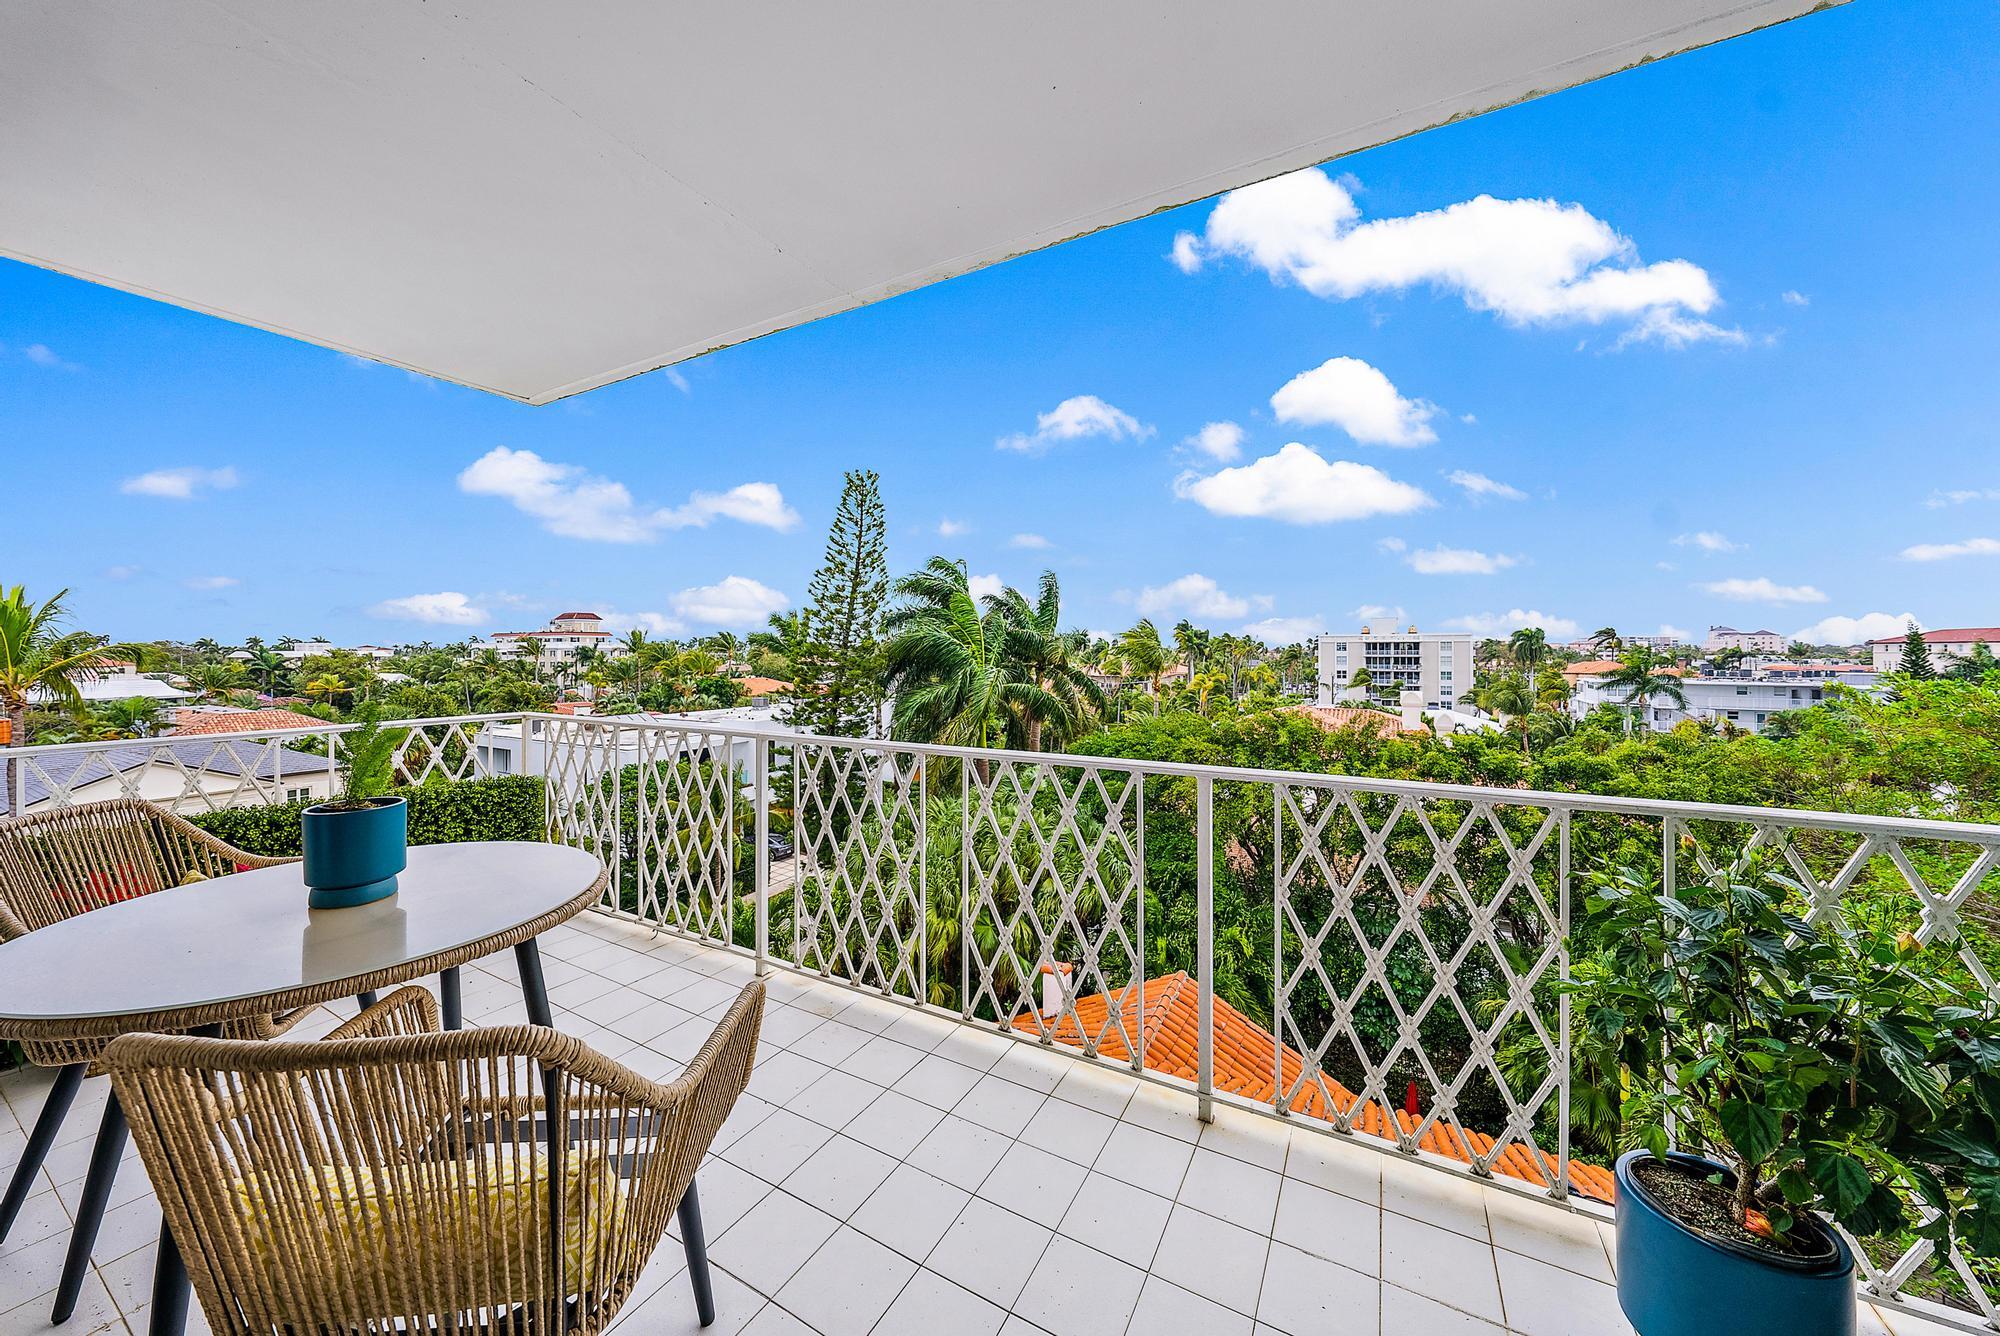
point(1332, 717)
point(240, 721)
point(1245, 1054)
point(762, 686)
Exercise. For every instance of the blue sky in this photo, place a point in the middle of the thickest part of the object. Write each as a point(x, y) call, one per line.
point(1741, 370)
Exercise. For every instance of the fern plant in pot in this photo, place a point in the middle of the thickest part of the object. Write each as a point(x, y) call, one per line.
point(356, 844)
point(1809, 1073)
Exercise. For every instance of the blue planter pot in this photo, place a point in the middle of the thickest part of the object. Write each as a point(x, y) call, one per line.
point(352, 858)
point(1675, 1282)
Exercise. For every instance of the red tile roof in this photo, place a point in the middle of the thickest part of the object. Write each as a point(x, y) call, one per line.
point(1333, 717)
point(576, 617)
point(762, 686)
point(240, 721)
point(1244, 1051)
point(1952, 636)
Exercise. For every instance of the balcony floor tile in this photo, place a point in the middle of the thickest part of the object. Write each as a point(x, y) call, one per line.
point(892, 1171)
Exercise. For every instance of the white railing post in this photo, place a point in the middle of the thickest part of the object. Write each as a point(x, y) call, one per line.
point(762, 887)
point(1204, 951)
point(1567, 1060)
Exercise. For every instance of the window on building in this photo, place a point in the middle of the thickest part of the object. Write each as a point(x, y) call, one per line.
point(298, 795)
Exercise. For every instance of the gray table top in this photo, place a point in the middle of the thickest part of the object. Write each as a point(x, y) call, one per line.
point(245, 943)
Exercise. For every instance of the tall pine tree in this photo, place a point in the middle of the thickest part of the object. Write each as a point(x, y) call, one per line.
point(1916, 655)
point(839, 672)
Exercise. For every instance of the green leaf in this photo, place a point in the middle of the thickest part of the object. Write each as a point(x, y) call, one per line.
point(1751, 1128)
point(1842, 1179)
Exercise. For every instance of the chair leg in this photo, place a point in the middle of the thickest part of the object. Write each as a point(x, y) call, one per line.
point(696, 1245)
point(104, 1157)
point(528, 958)
point(450, 999)
point(49, 1122)
point(365, 1000)
point(170, 1288)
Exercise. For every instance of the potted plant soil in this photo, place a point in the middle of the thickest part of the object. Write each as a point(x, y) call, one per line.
point(356, 844)
point(1811, 1074)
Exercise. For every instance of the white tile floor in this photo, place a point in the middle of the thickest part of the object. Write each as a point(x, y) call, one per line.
point(889, 1172)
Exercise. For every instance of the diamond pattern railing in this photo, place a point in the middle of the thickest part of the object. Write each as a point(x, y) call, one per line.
point(1054, 872)
point(1401, 944)
point(1416, 934)
point(860, 907)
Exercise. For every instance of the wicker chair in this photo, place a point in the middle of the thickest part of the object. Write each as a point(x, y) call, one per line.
point(58, 864)
point(505, 1178)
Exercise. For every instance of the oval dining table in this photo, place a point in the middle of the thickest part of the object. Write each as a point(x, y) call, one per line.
point(193, 957)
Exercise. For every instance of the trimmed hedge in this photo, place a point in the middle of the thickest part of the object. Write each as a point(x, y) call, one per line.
point(507, 807)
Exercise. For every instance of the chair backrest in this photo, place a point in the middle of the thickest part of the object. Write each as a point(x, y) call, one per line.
point(421, 1179)
point(57, 864)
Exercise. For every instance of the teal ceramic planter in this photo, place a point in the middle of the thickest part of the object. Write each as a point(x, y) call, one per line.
point(1675, 1282)
point(352, 857)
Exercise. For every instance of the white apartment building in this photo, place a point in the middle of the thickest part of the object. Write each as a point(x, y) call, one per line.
point(1437, 665)
point(1747, 700)
point(566, 633)
point(1946, 647)
point(1750, 642)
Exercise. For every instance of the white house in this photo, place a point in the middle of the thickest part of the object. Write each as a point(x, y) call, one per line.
point(1750, 642)
point(1946, 647)
point(120, 680)
point(1747, 700)
point(199, 775)
point(566, 634)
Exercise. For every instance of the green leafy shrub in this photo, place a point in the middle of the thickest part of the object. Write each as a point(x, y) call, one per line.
point(507, 807)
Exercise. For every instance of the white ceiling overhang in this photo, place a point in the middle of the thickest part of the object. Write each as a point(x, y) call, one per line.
point(537, 198)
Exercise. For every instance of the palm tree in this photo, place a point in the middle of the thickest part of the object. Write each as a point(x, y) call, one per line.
point(37, 658)
point(1513, 698)
point(1143, 654)
point(1640, 677)
point(1605, 638)
point(1048, 658)
point(270, 664)
point(946, 665)
point(133, 717)
point(214, 680)
point(1529, 647)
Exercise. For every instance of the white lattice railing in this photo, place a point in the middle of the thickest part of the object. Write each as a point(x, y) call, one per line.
point(1398, 956)
point(1395, 944)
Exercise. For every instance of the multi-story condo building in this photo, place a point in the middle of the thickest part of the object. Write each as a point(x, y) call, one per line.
point(566, 633)
point(1946, 647)
point(1751, 642)
point(1436, 664)
point(1747, 699)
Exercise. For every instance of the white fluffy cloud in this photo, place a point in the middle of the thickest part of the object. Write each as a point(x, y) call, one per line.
point(1442, 560)
point(180, 484)
point(1286, 630)
point(1478, 486)
point(1971, 547)
point(1793, 297)
point(951, 528)
point(448, 608)
point(211, 582)
point(1958, 496)
point(1762, 590)
point(983, 587)
point(575, 503)
point(1528, 261)
point(1032, 541)
point(1498, 624)
point(1855, 630)
point(44, 356)
point(1348, 393)
point(1218, 440)
point(1297, 486)
point(735, 600)
point(1196, 596)
point(1708, 540)
point(1074, 419)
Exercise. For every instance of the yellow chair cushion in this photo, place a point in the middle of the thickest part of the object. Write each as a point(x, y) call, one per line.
point(428, 1235)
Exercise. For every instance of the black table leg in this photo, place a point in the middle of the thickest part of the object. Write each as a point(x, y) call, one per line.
point(529, 957)
point(49, 1122)
point(366, 1000)
point(169, 1312)
point(696, 1245)
point(448, 994)
point(104, 1157)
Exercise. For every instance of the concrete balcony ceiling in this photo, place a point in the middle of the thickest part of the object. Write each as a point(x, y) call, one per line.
point(538, 199)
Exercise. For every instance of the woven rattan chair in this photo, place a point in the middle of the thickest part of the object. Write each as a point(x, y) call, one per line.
point(58, 864)
point(506, 1178)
